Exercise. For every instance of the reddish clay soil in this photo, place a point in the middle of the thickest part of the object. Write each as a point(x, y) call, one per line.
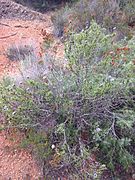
point(16, 163)
point(18, 32)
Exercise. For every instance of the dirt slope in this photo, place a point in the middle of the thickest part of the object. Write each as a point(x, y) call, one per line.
point(20, 32)
point(12, 10)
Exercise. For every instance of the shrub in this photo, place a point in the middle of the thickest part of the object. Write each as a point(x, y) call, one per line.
point(40, 5)
point(81, 13)
point(85, 109)
point(17, 53)
point(33, 67)
point(24, 109)
point(27, 112)
point(113, 15)
point(129, 9)
point(59, 20)
point(95, 96)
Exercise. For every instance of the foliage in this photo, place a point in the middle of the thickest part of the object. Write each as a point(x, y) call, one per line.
point(115, 16)
point(96, 96)
point(59, 20)
point(23, 106)
point(38, 143)
point(83, 109)
point(28, 109)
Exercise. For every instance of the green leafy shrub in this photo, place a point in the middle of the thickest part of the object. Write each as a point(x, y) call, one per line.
point(38, 143)
point(86, 108)
point(24, 108)
point(95, 94)
point(20, 105)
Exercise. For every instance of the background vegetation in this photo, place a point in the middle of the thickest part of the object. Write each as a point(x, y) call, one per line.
point(115, 16)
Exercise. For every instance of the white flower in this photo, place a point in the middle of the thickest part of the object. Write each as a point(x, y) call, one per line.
point(111, 52)
point(98, 129)
point(95, 175)
point(111, 78)
point(53, 146)
point(103, 166)
point(13, 113)
point(5, 108)
point(44, 77)
point(27, 89)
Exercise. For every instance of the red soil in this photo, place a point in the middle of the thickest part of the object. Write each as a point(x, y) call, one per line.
point(18, 32)
point(16, 163)
point(24, 32)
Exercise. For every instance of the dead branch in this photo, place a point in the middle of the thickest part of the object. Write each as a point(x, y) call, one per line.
point(3, 24)
point(20, 26)
point(8, 36)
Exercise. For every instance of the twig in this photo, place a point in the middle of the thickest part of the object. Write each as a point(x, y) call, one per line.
point(112, 128)
point(19, 26)
point(8, 36)
point(65, 142)
point(3, 24)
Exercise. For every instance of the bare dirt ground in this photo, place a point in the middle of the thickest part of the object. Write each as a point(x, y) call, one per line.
point(16, 163)
point(12, 10)
point(19, 25)
point(18, 32)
